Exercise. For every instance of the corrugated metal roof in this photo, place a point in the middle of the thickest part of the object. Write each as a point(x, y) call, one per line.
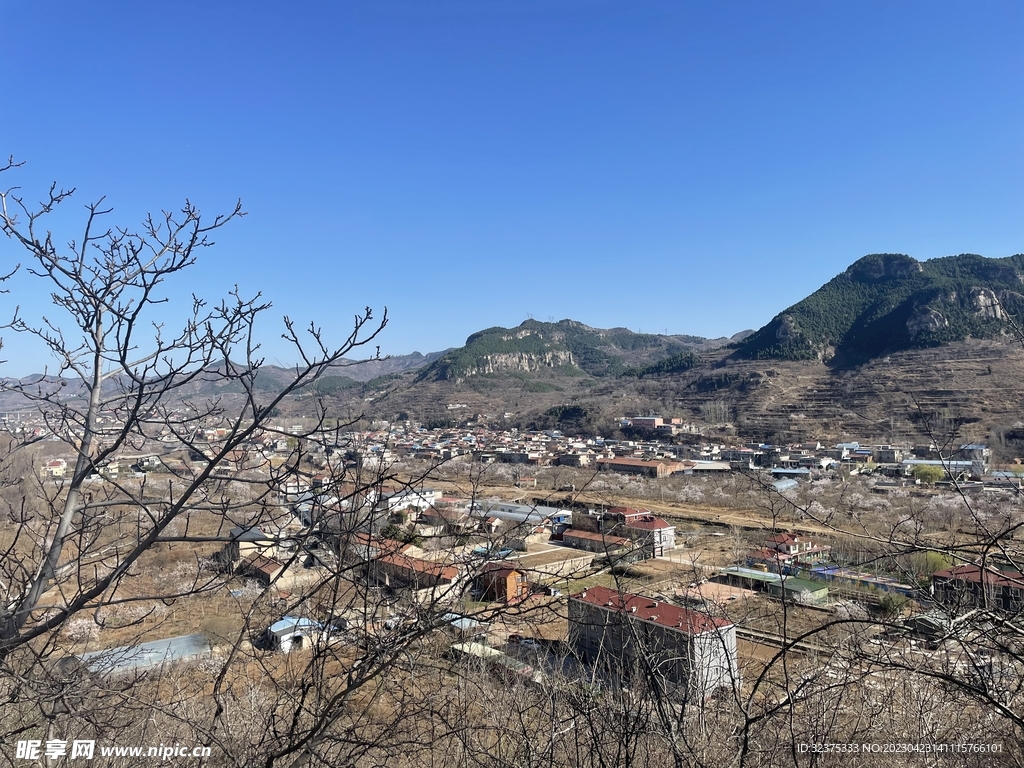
point(790, 583)
point(751, 573)
point(794, 584)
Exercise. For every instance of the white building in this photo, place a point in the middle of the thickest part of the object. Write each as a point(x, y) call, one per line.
point(688, 648)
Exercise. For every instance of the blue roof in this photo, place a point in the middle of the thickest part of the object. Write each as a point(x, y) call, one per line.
point(291, 623)
point(147, 655)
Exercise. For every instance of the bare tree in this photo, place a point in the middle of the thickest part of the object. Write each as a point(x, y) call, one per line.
point(99, 557)
point(118, 383)
point(123, 381)
point(269, 536)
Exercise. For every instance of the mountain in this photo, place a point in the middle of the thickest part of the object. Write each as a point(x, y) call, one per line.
point(347, 375)
point(890, 302)
point(567, 347)
point(372, 369)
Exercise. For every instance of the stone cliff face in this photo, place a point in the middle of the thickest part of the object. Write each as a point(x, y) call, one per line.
point(986, 304)
point(567, 345)
point(517, 361)
point(925, 319)
point(983, 302)
point(790, 334)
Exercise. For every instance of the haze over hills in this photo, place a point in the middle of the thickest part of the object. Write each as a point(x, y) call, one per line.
point(350, 374)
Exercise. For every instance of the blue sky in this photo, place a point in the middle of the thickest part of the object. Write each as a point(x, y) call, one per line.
point(665, 166)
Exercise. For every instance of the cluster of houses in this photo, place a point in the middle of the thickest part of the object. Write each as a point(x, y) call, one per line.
point(500, 551)
point(661, 457)
point(668, 452)
point(619, 530)
point(430, 545)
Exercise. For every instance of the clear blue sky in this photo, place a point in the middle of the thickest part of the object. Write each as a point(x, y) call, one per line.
point(693, 167)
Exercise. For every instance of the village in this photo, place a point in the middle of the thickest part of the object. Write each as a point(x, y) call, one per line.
point(496, 539)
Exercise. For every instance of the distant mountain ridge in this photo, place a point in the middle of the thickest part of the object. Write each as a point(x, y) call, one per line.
point(347, 374)
point(885, 303)
point(372, 369)
point(568, 346)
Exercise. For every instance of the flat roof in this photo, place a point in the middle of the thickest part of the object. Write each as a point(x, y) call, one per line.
point(752, 573)
point(804, 585)
point(714, 592)
point(958, 463)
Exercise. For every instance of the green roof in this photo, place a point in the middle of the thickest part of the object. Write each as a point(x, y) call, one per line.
point(804, 585)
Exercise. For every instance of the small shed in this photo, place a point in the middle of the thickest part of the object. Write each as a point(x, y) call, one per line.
point(292, 633)
point(464, 627)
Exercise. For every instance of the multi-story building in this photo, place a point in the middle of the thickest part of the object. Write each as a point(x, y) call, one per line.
point(503, 581)
point(968, 586)
point(786, 550)
point(628, 633)
point(651, 534)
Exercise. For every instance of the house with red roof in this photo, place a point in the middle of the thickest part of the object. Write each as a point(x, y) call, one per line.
point(637, 466)
point(631, 633)
point(427, 581)
point(786, 550)
point(55, 468)
point(263, 569)
point(969, 586)
point(652, 535)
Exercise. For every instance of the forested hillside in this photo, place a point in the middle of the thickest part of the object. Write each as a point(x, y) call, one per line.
point(889, 302)
point(567, 345)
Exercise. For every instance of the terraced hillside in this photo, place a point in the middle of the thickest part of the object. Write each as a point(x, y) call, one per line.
point(977, 385)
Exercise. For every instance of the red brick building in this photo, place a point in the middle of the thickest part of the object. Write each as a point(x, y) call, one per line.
point(504, 582)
